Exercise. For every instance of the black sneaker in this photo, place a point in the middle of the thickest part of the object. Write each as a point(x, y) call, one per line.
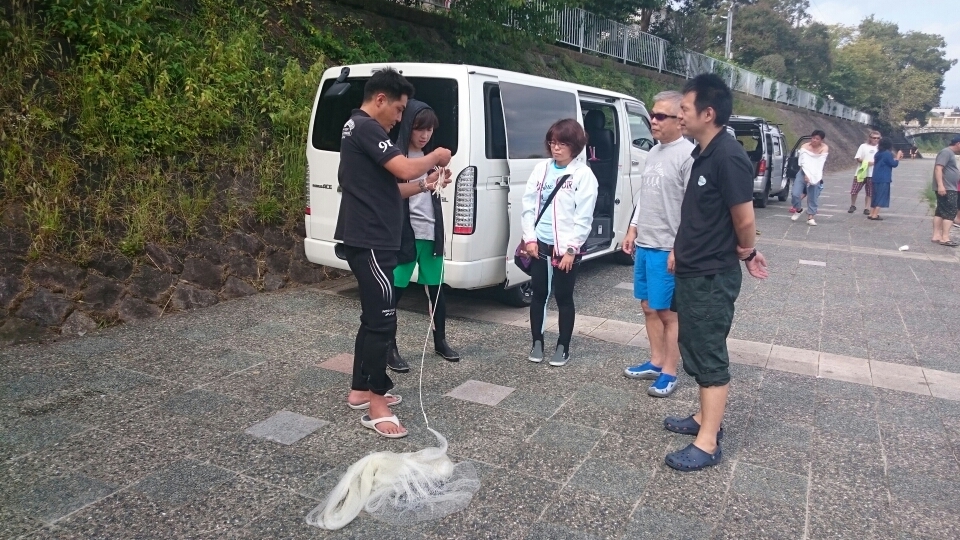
point(396, 362)
point(852, 209)
point(441, 347)
point(866, 212)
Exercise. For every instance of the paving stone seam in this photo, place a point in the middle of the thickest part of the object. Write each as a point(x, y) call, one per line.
point(806, 520)
point(819, 353)
point(920, 256)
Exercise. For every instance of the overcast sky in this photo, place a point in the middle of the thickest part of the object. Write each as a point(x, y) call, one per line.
point(930, 16)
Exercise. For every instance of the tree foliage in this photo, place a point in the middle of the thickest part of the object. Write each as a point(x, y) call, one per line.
point(897, 76)
point(872, 66)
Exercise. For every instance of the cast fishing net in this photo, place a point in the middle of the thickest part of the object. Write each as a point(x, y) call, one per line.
point(401, 488)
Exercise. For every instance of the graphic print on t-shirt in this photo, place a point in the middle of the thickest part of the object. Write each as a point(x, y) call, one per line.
point(371, 210)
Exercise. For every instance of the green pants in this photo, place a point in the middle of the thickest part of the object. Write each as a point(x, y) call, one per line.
point(431, 267)
point(704, 307)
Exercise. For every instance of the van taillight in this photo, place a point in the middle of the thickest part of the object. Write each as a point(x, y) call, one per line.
point(465, 202)
point(762, 167)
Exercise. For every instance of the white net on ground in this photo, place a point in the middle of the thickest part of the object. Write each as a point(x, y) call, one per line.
point(401, 489)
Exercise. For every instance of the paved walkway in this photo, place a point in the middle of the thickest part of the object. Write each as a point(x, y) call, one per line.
point(229, 422)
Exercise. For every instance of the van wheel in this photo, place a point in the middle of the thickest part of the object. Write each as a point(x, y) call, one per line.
point(622, 258)
point(761, 201)
point(519, 296)
point(782, 196)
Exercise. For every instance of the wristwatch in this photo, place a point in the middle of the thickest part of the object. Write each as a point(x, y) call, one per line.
point(751, 256)
point(571, 251)
point(423, 185)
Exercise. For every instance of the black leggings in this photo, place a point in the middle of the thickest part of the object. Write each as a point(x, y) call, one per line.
point(373, 270)
point(562, 288)
point(439, 310)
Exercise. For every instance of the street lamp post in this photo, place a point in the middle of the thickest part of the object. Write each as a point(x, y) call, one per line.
point(728, 54)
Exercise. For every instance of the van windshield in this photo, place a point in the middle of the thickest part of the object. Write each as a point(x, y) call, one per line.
point(332, 113)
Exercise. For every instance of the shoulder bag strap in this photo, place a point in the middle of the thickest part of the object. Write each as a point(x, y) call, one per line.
point(556, 189)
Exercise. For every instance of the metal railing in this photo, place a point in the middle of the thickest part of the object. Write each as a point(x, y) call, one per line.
point(589, 32)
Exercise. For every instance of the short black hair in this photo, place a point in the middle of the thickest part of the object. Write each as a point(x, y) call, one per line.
point(388, 82)
point(711, 92)
point(885, 144)
point(819, 133)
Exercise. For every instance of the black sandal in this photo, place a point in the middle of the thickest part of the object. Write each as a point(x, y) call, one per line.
point(949, 243)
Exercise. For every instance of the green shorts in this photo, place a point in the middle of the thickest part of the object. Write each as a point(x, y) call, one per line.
point(704, 307)
point(431, 267)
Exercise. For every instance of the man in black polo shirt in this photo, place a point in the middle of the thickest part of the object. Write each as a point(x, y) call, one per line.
point(717, 230)
point(369, 225)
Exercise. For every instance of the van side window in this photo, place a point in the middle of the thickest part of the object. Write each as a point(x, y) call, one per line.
point(639, 129)
point(496, 133)
point(440, 94)
point(528, 114)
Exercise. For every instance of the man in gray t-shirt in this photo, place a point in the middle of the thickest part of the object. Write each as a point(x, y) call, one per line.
point(945, 179)
point(652, 231)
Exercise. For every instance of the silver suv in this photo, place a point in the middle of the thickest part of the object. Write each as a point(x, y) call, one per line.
point(764, 143)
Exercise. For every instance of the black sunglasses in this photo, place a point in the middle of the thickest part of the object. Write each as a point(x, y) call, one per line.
point(660, 117)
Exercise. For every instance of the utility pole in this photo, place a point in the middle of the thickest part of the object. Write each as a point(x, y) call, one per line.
point(728, 54)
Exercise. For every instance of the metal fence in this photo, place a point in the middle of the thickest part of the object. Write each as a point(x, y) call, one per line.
point(588, 32)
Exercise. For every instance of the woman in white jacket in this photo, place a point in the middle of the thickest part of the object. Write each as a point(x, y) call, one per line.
point(554, 242)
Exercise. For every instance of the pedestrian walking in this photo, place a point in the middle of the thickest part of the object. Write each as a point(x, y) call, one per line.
point(883, 164)
point(557, 217)
point(945, 179)
point(369, 225)
point(812, 157)
point(650, 237)
point(717, 231)
point(422, 237)
point(864, 177)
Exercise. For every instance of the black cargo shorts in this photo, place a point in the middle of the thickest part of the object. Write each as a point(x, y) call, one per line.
point(704, 307)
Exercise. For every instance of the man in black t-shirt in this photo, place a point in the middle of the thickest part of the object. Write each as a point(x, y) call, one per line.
point(369, 226)
point(717, 230)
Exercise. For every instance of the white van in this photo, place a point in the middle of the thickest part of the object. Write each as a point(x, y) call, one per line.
point(494, 123)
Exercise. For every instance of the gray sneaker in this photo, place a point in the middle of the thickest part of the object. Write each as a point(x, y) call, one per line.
point(536, 353)
point(560, 357)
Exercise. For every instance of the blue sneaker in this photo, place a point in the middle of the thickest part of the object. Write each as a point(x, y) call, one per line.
point(663, 386)
point(646, 371)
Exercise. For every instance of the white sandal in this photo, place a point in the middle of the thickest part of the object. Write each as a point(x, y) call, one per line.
point(372, 424)
point(365, 406)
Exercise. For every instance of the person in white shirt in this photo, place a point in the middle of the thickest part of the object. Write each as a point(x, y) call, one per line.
point(554, 231)
point(864, 154)
point(812, 157)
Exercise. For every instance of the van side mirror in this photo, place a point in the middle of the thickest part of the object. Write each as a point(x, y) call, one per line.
point(340, 86)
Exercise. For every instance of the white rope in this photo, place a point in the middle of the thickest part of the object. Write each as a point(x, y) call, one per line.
point(402, 489)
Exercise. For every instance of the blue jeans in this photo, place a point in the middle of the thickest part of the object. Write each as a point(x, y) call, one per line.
point(813, 194)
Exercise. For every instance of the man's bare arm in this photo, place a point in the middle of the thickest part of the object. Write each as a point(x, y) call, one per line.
point(744, 223)
point(407, 169)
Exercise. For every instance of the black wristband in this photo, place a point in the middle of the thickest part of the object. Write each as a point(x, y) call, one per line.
point(751, 256)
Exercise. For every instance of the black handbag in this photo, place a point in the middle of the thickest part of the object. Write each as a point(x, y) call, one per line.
point(520, 256)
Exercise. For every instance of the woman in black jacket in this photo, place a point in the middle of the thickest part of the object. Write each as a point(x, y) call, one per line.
point(422, 237)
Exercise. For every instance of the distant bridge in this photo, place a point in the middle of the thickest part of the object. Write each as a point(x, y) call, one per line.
point(949, 124)
point(914, 131)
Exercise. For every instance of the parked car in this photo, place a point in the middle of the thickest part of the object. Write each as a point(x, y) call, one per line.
point(493, 121)
point(793, 162)
point(764, 143)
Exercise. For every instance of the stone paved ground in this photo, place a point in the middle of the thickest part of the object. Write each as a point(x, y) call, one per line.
point(835, 428)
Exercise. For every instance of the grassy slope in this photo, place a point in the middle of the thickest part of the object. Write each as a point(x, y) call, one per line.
point(123, 123)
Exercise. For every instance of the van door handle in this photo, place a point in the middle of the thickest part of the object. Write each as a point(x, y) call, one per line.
point(634, 163)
